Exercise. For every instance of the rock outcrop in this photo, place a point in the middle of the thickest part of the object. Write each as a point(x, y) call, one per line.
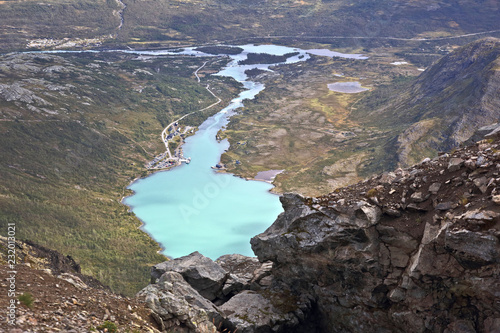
point(415, 250)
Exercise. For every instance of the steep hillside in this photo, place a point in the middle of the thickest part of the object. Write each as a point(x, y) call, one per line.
point(48, 293)
point(76, 129)
point(442, 107)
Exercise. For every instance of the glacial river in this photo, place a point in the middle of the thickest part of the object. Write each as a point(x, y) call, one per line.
point(193, 208)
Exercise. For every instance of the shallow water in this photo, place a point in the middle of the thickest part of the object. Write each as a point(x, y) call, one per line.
point(329, 53)
point(267, 175)
point(347, 87)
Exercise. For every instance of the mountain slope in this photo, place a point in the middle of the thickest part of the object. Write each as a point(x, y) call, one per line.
point(444, 105)
point(76, 129)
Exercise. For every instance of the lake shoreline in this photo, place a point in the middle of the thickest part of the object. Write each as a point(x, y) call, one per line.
point(171, 205)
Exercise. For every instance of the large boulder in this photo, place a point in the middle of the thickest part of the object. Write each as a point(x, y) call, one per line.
point(174, 303)
point(200, 272)
point(251, 312)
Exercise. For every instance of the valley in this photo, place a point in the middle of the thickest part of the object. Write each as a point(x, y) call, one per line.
point(325, 139)
point(76, 130)
point(320, 138)
point(78, 127)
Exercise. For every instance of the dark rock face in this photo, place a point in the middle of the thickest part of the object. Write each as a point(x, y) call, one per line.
point(421, 255)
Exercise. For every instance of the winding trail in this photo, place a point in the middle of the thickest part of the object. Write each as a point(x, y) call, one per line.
point(196, 71)
point(164, 133)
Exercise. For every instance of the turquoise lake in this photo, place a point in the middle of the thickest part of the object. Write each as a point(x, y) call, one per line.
point(193, 208)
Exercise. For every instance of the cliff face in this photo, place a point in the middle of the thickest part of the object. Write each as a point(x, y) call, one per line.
point(414, 250)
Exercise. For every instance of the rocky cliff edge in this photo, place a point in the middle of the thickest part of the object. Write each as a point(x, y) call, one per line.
point(414, 250)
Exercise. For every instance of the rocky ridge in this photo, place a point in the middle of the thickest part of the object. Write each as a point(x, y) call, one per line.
point(63, 299)
point(414, 250)
point(411, 250)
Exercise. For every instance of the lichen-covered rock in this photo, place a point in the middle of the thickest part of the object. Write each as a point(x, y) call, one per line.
point(16, 92)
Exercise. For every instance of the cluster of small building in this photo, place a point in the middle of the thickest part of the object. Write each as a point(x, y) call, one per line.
point(66, 42)
point(166, 160)
point(156, 160)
